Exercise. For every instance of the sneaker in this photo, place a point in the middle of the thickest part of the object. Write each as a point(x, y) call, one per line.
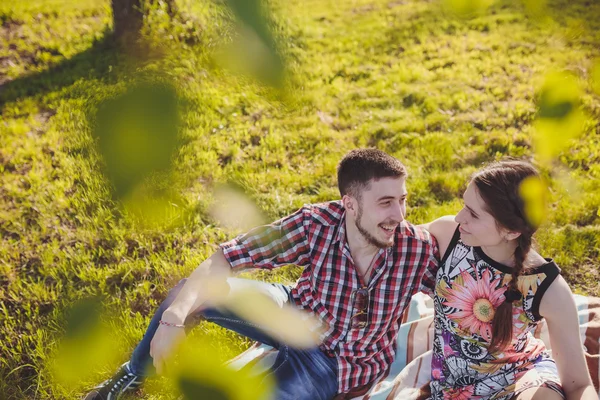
point(114, 387)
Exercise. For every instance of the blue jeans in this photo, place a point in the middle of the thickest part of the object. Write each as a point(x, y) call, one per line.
point(307, 374)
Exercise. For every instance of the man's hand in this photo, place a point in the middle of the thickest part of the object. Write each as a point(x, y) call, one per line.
point(166, 338)
point(209, 280)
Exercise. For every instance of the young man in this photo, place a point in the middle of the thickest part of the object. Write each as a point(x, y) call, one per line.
point(362, 263)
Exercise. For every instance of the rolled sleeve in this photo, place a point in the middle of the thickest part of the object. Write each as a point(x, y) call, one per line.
point(270, 246)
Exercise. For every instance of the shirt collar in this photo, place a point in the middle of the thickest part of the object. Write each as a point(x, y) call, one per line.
point(340, 237)
point(341, 231)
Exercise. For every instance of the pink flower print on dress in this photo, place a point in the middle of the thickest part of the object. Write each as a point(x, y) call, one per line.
point(460, 393)
point(477, 300)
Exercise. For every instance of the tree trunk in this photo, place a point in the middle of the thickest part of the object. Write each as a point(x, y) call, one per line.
point(127, 19)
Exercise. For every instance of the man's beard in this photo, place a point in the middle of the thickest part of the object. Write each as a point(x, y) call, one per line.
point(366, 234)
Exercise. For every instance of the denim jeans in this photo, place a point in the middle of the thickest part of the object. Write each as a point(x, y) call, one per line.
point(300, 374)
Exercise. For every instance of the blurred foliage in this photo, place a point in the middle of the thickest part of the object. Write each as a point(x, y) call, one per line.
point(137, 134)
point(197, 372)
point(466, 8)
point(88, 344)
point(560, 117)
point(234, 210)
point(254, 49)
point(533, 191)
point(536, 7)
point(287, 324)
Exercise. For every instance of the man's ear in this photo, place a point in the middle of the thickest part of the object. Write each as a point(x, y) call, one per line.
point(350, 204)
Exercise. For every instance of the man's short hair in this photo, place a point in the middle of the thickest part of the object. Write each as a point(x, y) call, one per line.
point(360, 166)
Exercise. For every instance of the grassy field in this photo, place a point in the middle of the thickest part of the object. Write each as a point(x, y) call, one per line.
point(443, 95)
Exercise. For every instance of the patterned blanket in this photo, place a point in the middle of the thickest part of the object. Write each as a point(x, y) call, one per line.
point(411, 368)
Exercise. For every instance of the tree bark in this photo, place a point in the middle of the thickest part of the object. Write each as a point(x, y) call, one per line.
point(127, 19)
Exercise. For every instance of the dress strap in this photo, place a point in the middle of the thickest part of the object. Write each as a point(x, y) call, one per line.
point(451, 245)
point(547, 274)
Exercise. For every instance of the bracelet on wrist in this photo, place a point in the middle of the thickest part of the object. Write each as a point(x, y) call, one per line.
point(165, 323)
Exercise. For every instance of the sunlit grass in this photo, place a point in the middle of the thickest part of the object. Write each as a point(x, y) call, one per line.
point(443, 94)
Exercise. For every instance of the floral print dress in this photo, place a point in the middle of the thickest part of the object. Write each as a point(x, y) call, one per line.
point(469, 287)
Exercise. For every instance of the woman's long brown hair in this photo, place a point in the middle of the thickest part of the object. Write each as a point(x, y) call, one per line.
point(498, 184)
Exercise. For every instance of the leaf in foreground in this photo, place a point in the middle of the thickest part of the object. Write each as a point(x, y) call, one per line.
point(560, 117)
point(87, 345)
point(234, 210)
point(533, 193)
point(466, 8)
point(254, 50)
point(195, 371)
point(284, 323)
point(137, 134)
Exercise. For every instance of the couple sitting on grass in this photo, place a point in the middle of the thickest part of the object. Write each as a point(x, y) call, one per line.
point(362, 262)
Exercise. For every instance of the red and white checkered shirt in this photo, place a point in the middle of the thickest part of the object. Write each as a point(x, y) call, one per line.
point(315, 238)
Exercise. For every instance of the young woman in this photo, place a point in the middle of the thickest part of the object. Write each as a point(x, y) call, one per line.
point(491, 291)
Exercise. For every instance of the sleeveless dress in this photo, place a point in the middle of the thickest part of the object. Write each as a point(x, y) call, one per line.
point(469, 286)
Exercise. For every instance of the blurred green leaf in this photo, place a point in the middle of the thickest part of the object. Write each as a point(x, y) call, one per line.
point(193, 388)
point(466, 8)
point(288, 324)
point(88, 345)
point(533, 193)
point(556, 110)
point(137, 134)
point(254, 51)
point(252, 13)
point(559, 118)
point(234, 210)
point(535, 7)
point(197, 371)
point(84, 317)
point(151, 207)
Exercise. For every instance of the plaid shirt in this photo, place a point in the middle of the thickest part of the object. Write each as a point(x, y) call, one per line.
point(315, 238)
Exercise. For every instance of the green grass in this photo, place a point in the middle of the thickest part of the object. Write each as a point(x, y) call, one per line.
point(443, 95)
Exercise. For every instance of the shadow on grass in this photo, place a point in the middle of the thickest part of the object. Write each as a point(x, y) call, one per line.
point(97, 62)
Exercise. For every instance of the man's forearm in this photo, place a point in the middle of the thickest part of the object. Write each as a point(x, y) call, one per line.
point(214, 271)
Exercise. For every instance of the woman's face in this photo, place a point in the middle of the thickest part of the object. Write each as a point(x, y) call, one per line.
point(477, 226)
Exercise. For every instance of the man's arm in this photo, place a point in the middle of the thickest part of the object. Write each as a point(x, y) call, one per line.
point(213, 272)
point(209, 277)
point(281, 243)
point(442, 229)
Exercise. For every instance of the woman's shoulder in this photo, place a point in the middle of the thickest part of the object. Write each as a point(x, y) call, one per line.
point(536, 281)
point(537, 264)
point(443, 229)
